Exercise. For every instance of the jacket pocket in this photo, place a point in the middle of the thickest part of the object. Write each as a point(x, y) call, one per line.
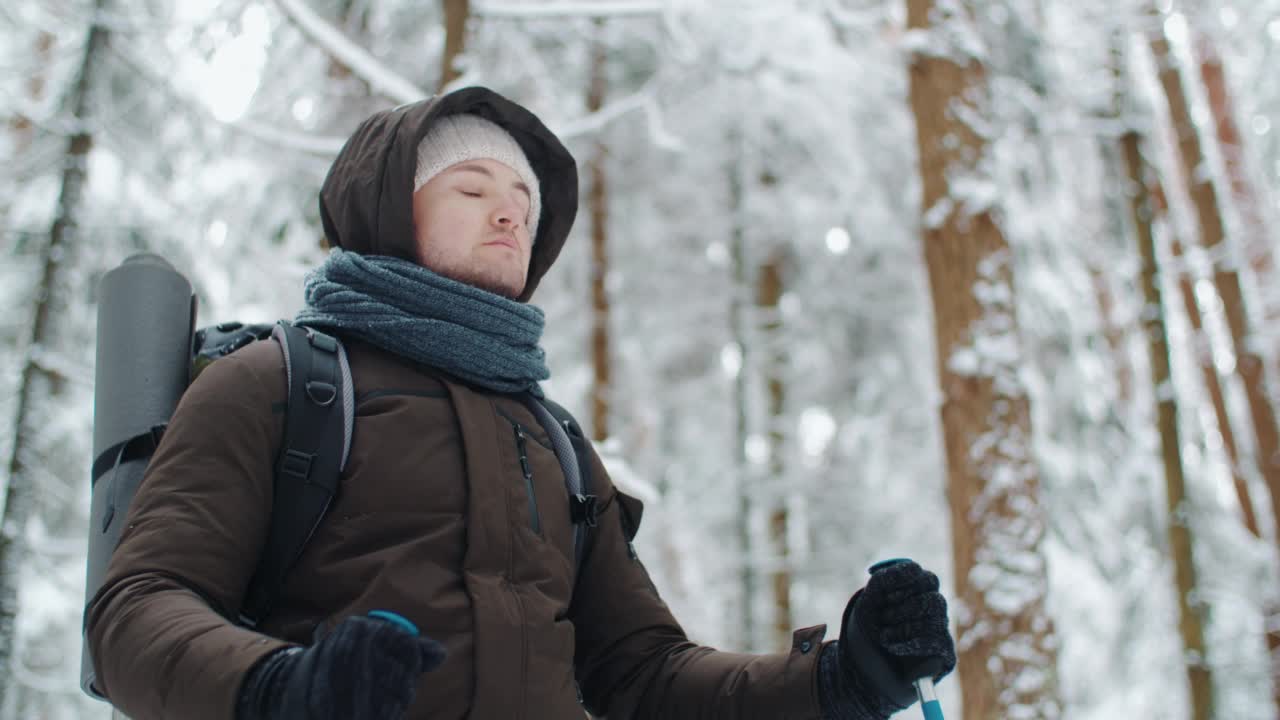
point(522, 450)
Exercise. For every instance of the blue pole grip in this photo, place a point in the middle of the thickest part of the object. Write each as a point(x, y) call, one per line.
point(886, 563)
point(395, 619)
point(932, 710)
point(928, 700)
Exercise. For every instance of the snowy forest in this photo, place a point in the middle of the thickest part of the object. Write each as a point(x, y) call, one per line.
point(990, 285)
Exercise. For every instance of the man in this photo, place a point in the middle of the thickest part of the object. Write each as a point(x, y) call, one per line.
point(452, 517)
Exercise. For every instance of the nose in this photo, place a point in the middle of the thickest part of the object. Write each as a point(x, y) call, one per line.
point(507, 216)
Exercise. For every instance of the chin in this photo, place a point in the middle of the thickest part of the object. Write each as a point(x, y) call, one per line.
point(496, 285)
point(482, 278)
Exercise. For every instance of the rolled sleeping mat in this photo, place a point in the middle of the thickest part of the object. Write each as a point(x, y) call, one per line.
point(146, 314)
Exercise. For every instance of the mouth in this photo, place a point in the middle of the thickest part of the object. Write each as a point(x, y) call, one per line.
point(505, 241)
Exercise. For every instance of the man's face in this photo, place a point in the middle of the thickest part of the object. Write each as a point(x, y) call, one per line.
point(470, 225)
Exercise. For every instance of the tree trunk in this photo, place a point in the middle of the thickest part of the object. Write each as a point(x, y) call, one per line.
point(38, 383)
point(1257, 247)
point(1112, 330)
point(1248, 203)
point(1101, 269)
point(1247, 513)
point(1204, 358)
point(768, 295)
point(598, 201)
point(739, 315)
point(1190, 623)
point(1209, 371)
point(456, 13)
point(1006, 643)
point(1226, 279)
point(1249, 363)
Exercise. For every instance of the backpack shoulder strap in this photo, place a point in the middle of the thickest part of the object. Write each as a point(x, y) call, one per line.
point(577, 439)
point(572, 450)
point(317, 439)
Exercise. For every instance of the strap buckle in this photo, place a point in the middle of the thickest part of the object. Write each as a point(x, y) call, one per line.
point(583, 509)
point(297, 464)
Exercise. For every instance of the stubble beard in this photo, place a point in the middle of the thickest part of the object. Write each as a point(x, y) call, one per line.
point(476, 273)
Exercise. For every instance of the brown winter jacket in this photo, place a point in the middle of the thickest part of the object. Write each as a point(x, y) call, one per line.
point(433, 520)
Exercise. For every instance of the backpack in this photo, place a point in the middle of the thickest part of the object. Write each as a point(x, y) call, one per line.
point(318, 419)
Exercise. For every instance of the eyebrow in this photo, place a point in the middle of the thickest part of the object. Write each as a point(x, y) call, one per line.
point(473, 167)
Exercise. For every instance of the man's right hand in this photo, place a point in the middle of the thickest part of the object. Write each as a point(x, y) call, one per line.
point(364, 669)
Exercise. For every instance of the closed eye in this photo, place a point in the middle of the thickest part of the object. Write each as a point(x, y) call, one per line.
point(471, 193)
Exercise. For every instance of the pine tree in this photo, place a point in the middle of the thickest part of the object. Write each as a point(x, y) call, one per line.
point(1005, 638)
point(1241, 190)
point(1226, 277)
point(456, 15)
point(42, 380)
point(769, 289)
point(598, 208)
point(1248, 203)
point(1191, 623)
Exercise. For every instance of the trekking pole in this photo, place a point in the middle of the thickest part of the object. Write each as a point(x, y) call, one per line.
point(396, 619)
point(924, 686)
point(928, 699)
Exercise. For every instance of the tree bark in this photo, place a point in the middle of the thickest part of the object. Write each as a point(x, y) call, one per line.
point(37, 382)
point(1247, 513)
point(598, 203)
point(768, 296)
point(1101, 270)
point(1204, 358)
point(1190, 622)
point(1112, 331)
point(1241, 188)
point(1249, 364)
point(1006, 641)
point(1249, 204)
point(456, 14)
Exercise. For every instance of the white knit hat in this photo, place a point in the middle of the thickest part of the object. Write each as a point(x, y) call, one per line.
point(458, 138)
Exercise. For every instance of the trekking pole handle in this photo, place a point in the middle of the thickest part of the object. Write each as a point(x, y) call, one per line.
point(924, 686)
point(395, 619)
point(928, 699)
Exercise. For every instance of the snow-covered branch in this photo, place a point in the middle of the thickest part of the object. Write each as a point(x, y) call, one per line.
point(365, 66)
point(642, 100)
point(605, 115)
point(572, 9)
point(321, 145)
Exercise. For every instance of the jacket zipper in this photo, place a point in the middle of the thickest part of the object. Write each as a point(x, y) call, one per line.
point(534, 521)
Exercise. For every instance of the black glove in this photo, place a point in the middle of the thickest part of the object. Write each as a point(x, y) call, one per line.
point(365, 669)
point(894, 632)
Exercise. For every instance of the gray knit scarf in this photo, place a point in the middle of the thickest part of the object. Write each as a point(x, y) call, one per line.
point(407, 310)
